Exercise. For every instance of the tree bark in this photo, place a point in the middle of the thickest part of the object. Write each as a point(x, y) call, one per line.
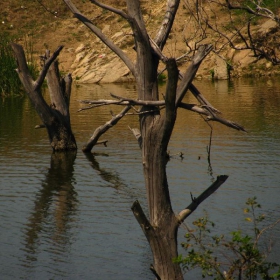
point(56, 117)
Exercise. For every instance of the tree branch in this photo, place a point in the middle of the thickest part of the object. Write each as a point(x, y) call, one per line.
point(187, 78)
point(196, 201)
point(103, 128)
point(137, 134)
point(22, 69)
point(170, 98)
point(100, 35)
point(67, 91)
point(205, 109)
point(212, 112)
point(142, 220)
point(33, 92)
point(49, 61)
point(58, 101)
point(123, 101)
point(260, 11)
point(202, 100)
point(166, 25)
point(110, 8)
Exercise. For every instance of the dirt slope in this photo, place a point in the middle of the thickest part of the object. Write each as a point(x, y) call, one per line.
point(48, 25)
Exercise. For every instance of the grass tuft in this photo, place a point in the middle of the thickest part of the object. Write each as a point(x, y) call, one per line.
point(9, 80)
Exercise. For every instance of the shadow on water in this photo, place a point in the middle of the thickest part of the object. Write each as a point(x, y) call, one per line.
point(55, 204)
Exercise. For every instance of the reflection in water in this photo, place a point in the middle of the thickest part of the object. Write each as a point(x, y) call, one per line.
point(109, 177)
point(208, 149)
point(55, 204)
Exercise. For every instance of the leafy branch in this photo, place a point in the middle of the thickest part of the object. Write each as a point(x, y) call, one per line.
point(239, 256)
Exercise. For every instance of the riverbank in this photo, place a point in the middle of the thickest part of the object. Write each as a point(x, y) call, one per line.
point(39, 27)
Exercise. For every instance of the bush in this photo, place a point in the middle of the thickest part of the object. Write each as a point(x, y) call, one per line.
point(239, 257)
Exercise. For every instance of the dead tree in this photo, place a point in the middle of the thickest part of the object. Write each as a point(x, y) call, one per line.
point(238, 29)
point(55, 117)
point(156, 126)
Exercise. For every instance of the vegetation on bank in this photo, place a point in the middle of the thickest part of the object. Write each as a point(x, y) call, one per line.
point(237, 256)
point(9, 80)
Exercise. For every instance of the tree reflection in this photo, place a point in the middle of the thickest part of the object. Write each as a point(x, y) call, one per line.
point(107, 176)
point(55, 203)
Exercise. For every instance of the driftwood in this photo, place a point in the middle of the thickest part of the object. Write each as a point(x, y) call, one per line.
point(55, 117)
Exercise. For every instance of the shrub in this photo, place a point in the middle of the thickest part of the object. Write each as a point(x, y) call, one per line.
point(239, 256)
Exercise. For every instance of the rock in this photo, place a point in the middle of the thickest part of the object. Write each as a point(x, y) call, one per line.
point(92, 67)
point(110, 72)
point(117, 35)
point(268, 65)
point(77, 60)
point(220, 69)
point(80, 48)
point(106, 29)
point(114, 71)
point(243, 58)
point(267, 27)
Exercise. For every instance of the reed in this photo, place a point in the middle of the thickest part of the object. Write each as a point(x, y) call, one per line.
point(9, 80)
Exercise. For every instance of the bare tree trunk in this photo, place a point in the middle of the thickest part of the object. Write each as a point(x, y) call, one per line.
point(163, 243)
point(56, 117)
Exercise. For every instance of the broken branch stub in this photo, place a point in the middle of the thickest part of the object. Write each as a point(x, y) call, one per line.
point(196, 201)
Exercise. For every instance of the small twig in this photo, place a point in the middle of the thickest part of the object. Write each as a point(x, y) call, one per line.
point(193, 198)
point(265, 229)
point(47, 9)
point(103, 142)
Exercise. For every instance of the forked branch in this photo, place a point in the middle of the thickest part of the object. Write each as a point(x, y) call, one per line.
point(187, 78)
point(23, 70)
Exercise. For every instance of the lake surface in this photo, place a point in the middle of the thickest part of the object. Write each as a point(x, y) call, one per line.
point(68, 216)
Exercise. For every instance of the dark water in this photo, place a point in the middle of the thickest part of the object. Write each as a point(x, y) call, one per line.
point(68, 216)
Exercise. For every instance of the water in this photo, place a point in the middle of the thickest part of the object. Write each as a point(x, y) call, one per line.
point(68, 216)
